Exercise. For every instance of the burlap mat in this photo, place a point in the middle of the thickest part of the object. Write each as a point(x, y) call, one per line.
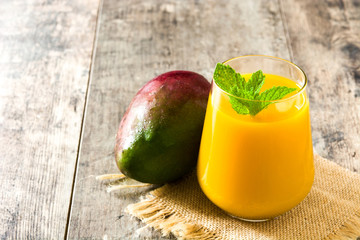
point(330, 211)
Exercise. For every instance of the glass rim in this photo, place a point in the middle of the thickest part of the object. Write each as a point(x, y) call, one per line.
point(301, 90)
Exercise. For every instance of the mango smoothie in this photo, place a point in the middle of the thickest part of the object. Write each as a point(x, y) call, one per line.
point(257, 167)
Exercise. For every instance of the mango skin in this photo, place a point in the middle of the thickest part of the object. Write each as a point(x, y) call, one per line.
point(159, 135)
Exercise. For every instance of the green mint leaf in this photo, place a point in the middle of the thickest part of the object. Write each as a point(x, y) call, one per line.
point(275, 93)
point(239, 106)
point(253, 86)
point(232, 82)
point(226, 78)
point(255, 108)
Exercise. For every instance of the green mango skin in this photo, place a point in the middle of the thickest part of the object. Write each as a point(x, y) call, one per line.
point(159, 136)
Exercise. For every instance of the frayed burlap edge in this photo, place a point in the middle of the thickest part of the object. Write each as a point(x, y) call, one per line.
point(350, 229)
point(153, 213)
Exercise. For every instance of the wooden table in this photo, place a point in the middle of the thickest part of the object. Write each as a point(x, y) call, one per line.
point(68, 70)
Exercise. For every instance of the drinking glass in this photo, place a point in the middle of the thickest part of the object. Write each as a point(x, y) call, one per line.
point(258, 167)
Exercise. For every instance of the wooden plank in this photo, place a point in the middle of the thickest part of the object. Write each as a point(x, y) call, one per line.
point(46, 51)
point(324, 37)
point(137, 41)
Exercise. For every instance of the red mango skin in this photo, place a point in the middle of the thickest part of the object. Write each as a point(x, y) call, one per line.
point(159, 135)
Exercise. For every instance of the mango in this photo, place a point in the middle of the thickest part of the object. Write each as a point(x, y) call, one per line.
point(159, 135)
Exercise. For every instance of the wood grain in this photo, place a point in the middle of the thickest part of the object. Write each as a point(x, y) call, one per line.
point(138, 40)
point(45, 57)
point(324, 39)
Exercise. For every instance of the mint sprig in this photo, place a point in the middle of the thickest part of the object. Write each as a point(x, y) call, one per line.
point(232, 82)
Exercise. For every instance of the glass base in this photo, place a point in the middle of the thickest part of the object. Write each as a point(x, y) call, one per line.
point(249, 220)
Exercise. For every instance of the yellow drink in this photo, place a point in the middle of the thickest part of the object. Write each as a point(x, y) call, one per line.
point(257, 167)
